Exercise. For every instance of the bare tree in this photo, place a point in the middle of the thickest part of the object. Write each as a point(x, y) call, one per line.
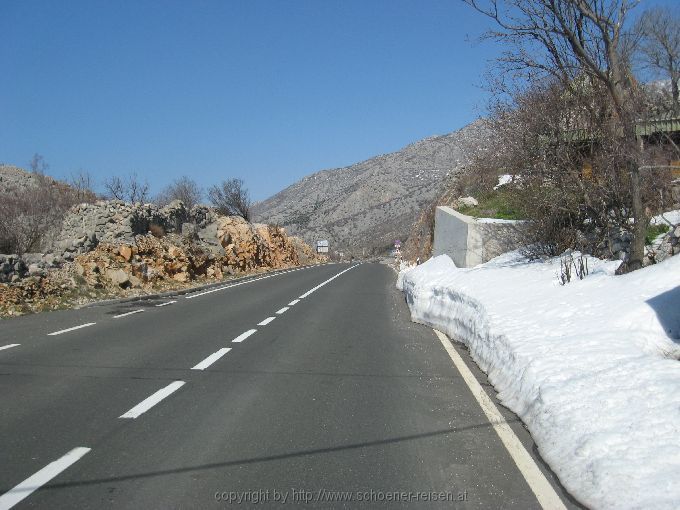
point(568, 39)
point(231, 198)
point(129, 189)
point(659, 45)
point(184, 189)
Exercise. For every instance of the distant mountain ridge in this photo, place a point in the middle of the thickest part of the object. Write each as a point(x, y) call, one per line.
point(370, 204)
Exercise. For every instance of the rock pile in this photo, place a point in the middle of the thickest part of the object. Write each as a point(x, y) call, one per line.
point(114, 221)
point(146, 261)
point(149, 260)
point(667, 247)
point(110, 247)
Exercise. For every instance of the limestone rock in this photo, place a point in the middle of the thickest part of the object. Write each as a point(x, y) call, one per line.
point(118, 277)
point(126, 252)
point(467, 202)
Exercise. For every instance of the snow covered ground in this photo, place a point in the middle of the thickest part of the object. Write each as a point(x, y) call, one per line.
point(590, 367)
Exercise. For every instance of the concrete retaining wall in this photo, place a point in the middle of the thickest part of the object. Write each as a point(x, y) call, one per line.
point(471, 241)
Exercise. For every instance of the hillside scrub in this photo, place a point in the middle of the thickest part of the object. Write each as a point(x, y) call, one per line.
point(32, 210)
point(567, 114)
point(575, 185)
point(499, 204)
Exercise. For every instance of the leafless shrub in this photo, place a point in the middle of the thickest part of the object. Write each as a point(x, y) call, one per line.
point(128, 189)
point(231, 198)
point(29, 214)
point(570, 267)
point(184, 189)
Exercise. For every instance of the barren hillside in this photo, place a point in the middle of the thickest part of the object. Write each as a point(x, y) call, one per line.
point(372, 203)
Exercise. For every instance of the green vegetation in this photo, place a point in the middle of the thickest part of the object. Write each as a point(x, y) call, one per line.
point(498, 204)
point(654, 231)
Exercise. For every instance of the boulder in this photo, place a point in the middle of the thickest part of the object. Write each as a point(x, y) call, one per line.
point(126, 252)
point(182, 276)
point(35, 270)
point(467, 202)
point(118, 277)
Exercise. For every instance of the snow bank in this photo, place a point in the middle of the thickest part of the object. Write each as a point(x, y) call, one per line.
point(670, 217)
point(590, 367)
point(503, 180)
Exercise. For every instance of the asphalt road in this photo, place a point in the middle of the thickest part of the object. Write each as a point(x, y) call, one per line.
point(338, 399)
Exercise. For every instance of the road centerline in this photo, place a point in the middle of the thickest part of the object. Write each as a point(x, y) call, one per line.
point(266, 321)
point(211, 359)
point(154, 399)
point(61, 331)
point(282, 310)
point(243, 336)
point(8, 346)
point(37, 480)
point(127, 313)
point(326, 282)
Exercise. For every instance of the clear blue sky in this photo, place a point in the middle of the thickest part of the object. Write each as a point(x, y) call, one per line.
point(268, 91)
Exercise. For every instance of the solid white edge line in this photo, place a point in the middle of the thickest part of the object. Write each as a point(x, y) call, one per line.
point(154, 399)
point(8, 346)
point(266, 321)
point(127, 313)
point(243, 336)
point(166, 303)
point(71, 329)
point(294, 302)
point(544, 492)
point(34, 482)
point(192, 296)
point(217, 289)
point(211, 359)
point(282, 310)
point(327, 281)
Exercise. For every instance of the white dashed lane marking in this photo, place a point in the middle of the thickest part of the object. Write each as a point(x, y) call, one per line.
point(34, 482)
point(327, 281)
point(243, 336)
point(211, 359)
point(8, 346)
point(71, 329)
point(154, 399)
point(127, 313)
point(294, 302)
point(266, 321)
point(283, 310)
point(166, 303)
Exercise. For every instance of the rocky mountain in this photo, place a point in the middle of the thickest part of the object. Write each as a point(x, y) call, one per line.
point(366, 206)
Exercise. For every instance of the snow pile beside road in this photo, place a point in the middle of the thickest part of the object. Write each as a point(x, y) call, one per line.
point(670, 217)
point(590, 367)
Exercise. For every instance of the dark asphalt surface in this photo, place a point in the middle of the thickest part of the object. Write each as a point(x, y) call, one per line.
point(340, 393)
